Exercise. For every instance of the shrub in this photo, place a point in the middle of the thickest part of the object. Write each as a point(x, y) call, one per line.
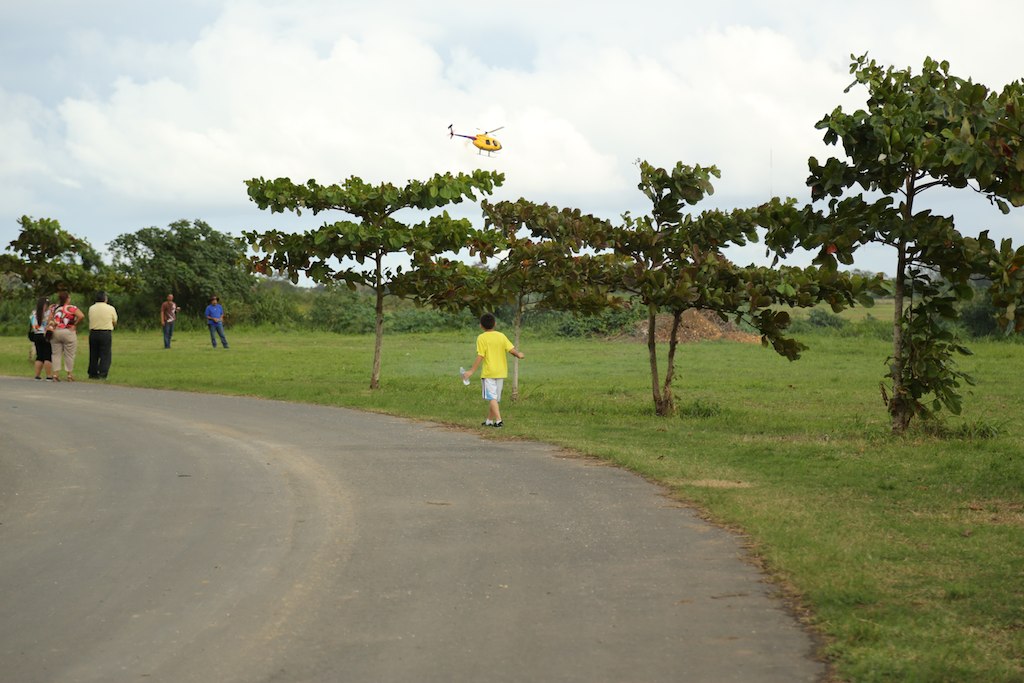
point(978, 317)
point(428, 320)
point(870, 327)
point(342, 311)
point(819, 318)
point(269, 306)
point(15, 309)
point(542, 321)
point(604, 324)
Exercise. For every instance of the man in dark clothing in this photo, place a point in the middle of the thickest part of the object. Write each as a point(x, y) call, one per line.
point(102, 319)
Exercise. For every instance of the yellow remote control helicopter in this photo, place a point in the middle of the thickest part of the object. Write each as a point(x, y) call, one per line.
point(482, 141)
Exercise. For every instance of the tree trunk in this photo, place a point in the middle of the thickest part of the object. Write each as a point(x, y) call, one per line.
point(516, 329)
point(378, 341)
point(900, 409)
point(652, 352)
point(668, 406)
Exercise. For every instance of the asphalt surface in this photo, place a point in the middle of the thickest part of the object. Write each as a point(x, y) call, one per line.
point(162, 536)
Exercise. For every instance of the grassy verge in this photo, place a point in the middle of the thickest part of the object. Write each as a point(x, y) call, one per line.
point(909, 552)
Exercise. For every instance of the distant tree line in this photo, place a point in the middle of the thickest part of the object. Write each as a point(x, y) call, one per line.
point(193, 261)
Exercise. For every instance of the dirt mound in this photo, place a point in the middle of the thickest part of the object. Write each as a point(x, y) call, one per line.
point(695, 325)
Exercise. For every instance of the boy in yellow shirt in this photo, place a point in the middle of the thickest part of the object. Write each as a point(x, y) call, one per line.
point(491, 347)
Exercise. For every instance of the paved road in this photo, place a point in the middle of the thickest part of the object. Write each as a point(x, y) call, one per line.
point(160, 536)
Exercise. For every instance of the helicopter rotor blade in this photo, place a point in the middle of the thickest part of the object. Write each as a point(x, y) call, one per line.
point(494, 131)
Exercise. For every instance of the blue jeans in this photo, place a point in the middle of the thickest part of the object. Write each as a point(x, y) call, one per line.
point(219, 328)
point(168, 333)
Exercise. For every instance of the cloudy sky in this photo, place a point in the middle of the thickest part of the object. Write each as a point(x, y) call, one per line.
point(117, 115)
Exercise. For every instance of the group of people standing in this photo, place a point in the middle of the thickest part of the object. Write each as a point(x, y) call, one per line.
point(54, 332)
point(214, 320)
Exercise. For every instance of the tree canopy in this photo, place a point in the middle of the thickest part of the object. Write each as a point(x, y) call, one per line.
point(918, 132)
point(47, 258)
point(354, 251)
point(668, 261)
point(192, 261)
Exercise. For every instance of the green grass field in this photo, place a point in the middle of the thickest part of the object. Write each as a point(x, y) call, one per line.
point(906, 554)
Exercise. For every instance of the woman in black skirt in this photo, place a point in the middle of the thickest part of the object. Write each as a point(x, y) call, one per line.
point(40, 318)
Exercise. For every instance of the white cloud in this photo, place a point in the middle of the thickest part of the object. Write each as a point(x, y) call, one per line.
point(318, 89)
point(29, 131)
point(23, 151)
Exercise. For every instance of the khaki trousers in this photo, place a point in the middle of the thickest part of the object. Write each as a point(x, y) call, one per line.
point(64, 345)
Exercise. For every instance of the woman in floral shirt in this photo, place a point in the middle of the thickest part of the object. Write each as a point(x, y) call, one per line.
point(64, 317)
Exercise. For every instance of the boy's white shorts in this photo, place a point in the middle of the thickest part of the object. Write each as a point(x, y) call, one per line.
point(492, 388)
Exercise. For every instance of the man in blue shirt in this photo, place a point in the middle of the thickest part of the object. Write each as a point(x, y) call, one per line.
point(215, 319)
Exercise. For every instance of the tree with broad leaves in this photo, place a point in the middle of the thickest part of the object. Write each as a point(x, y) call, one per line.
point(669, 262)
point(673, 261)
point(46, 258)
point(542, 273)
point(192, 261)
point(449, 284)
point(916, 133)
point(355, 251)
point(532, 273)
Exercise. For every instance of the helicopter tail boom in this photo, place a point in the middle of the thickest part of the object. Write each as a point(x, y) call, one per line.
point(453, 134)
